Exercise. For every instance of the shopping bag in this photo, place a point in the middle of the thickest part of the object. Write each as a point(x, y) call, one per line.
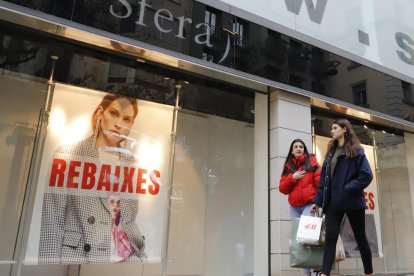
point(303, 256)
point(323, 231)
point(340, 250)
point(309, 230)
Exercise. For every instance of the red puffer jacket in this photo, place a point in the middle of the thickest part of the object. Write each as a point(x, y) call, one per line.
point(300, 191)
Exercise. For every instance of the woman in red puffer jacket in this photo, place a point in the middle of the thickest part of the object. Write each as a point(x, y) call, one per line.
point(299, 180)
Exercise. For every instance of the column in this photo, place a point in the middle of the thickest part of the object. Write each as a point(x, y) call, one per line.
point(290, 118)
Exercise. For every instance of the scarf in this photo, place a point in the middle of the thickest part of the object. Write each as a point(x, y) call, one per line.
point(122, 245)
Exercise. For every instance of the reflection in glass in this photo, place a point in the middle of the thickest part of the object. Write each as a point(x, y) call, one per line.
point(212, 209)
point(219, 37)
point(20, 103)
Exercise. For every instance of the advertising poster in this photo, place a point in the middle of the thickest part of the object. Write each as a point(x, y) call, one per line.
point(372, 218)
point(103, 180)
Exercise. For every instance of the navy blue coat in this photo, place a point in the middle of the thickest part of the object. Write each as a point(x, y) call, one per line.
point(345, 190)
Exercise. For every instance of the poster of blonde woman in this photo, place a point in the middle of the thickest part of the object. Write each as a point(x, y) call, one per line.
point(100, 192)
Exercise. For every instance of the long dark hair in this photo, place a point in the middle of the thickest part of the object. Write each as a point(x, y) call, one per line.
point(289, 166)
point(351, 144)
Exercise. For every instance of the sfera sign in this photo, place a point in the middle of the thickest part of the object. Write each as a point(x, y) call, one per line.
point(203, 38)
point(164, 14)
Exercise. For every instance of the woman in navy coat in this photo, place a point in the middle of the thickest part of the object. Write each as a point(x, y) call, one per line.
point(345, 174)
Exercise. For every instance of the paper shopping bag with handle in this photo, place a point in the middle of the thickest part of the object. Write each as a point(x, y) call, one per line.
point(303, 256)
point(309, 230)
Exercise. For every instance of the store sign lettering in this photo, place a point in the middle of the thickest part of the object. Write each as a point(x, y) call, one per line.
point(406, 43)
point(164, 14)
point(316, 12)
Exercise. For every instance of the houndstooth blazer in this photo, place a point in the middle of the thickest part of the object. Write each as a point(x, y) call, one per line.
point(76, 227)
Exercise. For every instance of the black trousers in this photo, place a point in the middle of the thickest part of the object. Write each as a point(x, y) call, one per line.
point(333, 221)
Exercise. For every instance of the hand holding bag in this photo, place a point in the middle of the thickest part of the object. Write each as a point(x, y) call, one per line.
point(309, 230)
point(303, 256)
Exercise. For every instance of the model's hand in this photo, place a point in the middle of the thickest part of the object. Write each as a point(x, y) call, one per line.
point(299, 174)
point(314, 208)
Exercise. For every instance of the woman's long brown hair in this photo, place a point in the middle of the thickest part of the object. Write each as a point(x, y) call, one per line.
point(351, 144)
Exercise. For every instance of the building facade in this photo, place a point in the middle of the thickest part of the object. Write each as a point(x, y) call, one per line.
point(222, 88)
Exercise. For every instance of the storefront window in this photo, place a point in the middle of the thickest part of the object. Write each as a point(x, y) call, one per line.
point(205, 209)
point(212, 210)
point(21, 101)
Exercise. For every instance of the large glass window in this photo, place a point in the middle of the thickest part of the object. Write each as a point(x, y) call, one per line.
point(208, 227)
point(21, 102)
point(212, 211)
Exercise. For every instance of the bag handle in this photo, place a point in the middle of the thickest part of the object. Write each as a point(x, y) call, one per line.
point(318, 213)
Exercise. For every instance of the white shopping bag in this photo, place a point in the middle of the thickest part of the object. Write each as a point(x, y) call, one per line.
point(309, 230)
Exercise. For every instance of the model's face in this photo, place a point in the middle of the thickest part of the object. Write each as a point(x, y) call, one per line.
point(116, 122)
point(337, 131)
point(298, 149)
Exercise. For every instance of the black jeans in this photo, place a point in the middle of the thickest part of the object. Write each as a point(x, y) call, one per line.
point(333, 221)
